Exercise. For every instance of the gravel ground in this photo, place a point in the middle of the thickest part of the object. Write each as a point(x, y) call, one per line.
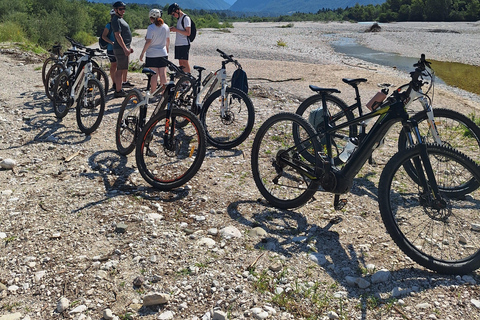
point(84, 237)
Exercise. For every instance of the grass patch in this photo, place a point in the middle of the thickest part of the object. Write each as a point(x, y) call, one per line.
point(460, 75)
point(281, 43)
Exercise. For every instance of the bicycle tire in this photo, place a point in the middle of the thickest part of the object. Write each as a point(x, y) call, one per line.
point(441, 236)
point(166, 168)
point(231, 130)
point(101, 76)
point(62, 102)
point(339, 112)
point(90, 112)
point(47, 64)
point(282, 185)
point(51, 78)
point(127, 128)
point(455, 130)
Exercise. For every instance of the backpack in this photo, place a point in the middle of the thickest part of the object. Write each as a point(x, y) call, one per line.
point(193, 29)
point(239, 80)
point(102, 43)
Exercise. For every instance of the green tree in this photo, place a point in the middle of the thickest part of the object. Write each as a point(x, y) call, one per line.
point(437, 10)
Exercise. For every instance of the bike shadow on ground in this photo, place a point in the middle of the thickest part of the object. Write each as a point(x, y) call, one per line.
point(112, 169)
point(213, 152)
point(288, 233)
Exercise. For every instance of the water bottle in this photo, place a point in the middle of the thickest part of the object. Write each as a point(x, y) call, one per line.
point(347, 151)
point(377, 99)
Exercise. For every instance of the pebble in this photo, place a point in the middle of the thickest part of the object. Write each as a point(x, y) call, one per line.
point(381, 276)
point(155, 298)
point(8, 163)
point(230, 232)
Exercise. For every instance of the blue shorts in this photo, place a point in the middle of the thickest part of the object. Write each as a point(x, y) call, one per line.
point(111, 56)
point(181, 52)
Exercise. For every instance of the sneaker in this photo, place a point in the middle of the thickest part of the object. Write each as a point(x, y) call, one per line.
point(128, 84)
point(114, 87)
point(120, 94)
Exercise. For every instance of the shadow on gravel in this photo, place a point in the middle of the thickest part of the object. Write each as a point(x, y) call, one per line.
point(110, 167)
point(290, 234)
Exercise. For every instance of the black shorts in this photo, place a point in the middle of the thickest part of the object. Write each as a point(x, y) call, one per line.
point(181, 52)
point(156, 62)
point(111, 56)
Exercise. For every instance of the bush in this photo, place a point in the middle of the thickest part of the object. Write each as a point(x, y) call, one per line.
point(10, 31)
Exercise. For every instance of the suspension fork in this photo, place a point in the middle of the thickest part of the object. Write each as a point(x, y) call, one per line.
point(169, 132)
point(422, 164)
point(224, 104)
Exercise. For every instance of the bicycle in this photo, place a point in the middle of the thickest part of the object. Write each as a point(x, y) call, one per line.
point(69, 59)
point(133, 113)
point(432, 218)
point(169, 155)
point(435, 124)
point(227, 113)
point(83, 88)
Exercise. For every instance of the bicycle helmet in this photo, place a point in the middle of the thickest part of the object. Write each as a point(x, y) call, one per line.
point(155, 13)
point(119, 4)
point(173, 7)
point(112, 12)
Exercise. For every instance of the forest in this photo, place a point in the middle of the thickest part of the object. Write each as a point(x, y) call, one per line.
point(38, 24)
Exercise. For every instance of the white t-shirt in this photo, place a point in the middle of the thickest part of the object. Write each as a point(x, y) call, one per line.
point(159, 37)
point(180, 39)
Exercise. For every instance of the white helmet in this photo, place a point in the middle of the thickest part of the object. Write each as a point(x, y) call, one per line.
point(112, 12)
point(155, 13)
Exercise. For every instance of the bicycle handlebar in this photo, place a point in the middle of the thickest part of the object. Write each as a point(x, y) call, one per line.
point(229, 58)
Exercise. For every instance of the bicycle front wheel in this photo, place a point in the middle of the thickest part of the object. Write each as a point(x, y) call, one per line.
point(228, 128)
point(128, 119)
point(277, 157)
point(438, 231)
point(312, 110)
point(62, 102)
point(51, 78)
point(47, 64)
point(167, 155)
point(90, 106)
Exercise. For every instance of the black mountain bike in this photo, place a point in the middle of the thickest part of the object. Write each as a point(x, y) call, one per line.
point(428, 193)
point(227, 113)
point(171, 147)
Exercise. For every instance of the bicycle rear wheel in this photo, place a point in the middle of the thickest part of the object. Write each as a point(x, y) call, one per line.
point(128, 122)
point(102, 76)
point(439, 231)
point(455, 130)
point(274, 151)
point(51, 78)
point(90, 106)
point(169, 156)
point(62, 102)
point(233, 127)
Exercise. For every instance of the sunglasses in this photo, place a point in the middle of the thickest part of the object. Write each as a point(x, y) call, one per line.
point(121, 9)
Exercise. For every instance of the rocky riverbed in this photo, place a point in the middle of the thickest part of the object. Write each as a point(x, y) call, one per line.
point(82, 236)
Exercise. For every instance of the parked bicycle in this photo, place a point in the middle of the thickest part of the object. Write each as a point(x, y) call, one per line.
point(133, 113)
point(433, 215)
point(83, 88)
point(167, 154)
point(227, 113)
point(435, 124)
point(70, 58)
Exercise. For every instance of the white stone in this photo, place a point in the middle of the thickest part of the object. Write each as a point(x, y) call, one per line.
point(155, 298)
point(11, 316)
point(107, 314)
point(167, 315)
point(8, 164)
point(332, 315)
point(424, 305)
point(230, 232)
point(476, 303)
point(208, 242)
point(81, 308)
point(381, 276)
point(219, 315)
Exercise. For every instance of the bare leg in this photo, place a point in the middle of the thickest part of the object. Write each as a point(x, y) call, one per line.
point(185, 65)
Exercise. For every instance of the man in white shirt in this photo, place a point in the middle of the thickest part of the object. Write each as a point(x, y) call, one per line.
point(183, 29)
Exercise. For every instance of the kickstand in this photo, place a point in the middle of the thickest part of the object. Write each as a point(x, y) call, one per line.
point(338, 203)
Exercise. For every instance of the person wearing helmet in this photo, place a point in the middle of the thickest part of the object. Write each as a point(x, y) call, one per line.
point(121, 48)
point(182, 44)
point(109, 37)
point(157, 41)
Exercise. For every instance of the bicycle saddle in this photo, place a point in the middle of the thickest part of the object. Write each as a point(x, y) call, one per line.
point(323, 90)
point(354, 82)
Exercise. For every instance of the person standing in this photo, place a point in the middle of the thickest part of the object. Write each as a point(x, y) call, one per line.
point(157, 41)
point(121, 48)
point(183, 29)
point(109, 37)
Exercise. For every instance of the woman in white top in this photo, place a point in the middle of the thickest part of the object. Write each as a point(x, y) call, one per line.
point(156, 46)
